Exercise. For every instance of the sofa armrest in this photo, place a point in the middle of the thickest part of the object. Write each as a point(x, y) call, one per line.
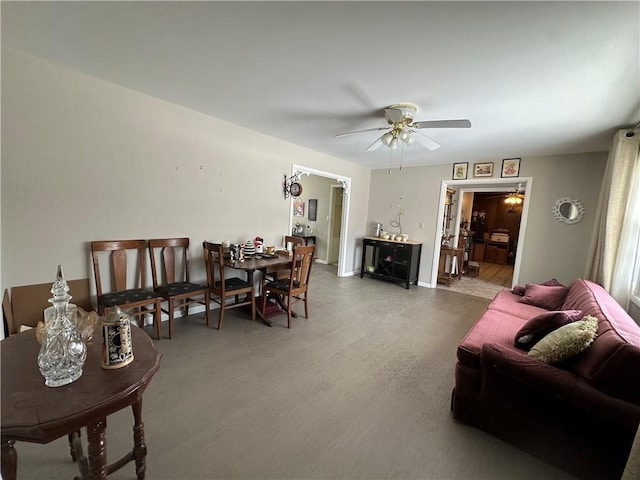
point(553, 383)
point(515, 364)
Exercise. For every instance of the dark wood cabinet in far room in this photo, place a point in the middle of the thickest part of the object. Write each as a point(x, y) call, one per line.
point(390, 260)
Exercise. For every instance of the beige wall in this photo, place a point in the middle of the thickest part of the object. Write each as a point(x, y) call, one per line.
point(550, 249)
point(83, 159)
point(318, 187)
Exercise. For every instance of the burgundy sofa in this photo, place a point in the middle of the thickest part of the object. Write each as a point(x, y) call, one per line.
point(581, 414)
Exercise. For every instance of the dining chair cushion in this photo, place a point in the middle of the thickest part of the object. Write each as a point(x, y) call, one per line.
point(282, 284)
point(126, 296)
point(179, 288)
point(234, 283)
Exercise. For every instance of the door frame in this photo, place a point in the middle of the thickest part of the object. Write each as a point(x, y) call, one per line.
point(299, 170)
point(481, 185)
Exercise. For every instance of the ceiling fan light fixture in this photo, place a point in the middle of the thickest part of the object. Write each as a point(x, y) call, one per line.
point(387, 138)
point(393, 144)
point(407, 138)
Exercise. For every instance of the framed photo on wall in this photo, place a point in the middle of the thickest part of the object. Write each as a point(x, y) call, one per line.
point(298, 208)
point(460, 171)
point(510, 167)
point(313, 208)
point(483, 169)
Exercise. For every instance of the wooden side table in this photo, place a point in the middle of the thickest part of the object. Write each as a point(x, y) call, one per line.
point(33, 412)
point(450, 259)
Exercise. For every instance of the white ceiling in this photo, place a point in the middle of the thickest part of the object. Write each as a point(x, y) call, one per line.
point(534, 78)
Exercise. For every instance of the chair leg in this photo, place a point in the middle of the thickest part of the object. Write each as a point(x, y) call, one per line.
point(306, 306)
point(157, 318)
point(253, 307)
point(288, 312)
point(221, 314)
point(171, 307)
point(206, 308)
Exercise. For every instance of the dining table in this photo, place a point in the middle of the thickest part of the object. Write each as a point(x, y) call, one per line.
point(265, 264)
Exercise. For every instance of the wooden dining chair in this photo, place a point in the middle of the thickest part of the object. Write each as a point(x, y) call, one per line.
point(129, 292)
point(221, 288)
point(170, 273)
point(290, 242)
point(295, 288)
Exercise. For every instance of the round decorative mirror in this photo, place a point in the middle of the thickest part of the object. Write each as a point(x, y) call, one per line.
point(568, 210)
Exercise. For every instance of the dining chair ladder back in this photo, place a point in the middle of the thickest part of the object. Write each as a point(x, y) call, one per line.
point(170, 273)
point(130, 294)
point(221, 288)
point(295, 287)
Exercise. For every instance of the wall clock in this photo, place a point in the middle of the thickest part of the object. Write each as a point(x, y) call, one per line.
point(295, 189)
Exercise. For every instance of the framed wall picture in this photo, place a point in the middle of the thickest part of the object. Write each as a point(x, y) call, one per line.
point(313, 208)
point(298, 208)
point(483, 169)
point(460, 171)
point(510, 167)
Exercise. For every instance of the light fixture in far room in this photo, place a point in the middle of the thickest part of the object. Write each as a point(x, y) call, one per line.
point(513, 199)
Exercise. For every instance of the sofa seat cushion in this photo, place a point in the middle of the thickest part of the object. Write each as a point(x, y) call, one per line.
point(493, 327)
point(507, 302)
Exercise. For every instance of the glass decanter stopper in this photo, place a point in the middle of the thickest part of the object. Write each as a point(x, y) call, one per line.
point(63, 352)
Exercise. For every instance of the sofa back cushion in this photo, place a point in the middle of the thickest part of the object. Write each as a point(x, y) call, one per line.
point(612, 363)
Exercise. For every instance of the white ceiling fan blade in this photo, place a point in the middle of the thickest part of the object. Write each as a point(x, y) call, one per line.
point(443, 124)
point(360, 131)
point(374, 145)
point(425, 141)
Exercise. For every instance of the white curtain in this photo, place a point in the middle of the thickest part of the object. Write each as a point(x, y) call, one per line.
point(617, 224)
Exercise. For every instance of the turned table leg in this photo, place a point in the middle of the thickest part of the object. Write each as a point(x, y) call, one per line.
point(139, 447)
point(97, 449)
point(9, 460)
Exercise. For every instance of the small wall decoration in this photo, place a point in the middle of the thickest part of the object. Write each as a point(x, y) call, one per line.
point(510, 167)
point(460, 171)
point(483, 169)
point(313, 207)
point(298, 208)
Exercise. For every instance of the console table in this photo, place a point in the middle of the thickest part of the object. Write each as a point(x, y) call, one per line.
point(33, 412)
point(398, 262)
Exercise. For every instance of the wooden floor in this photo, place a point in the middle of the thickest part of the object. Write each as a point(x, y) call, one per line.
point(492, 278)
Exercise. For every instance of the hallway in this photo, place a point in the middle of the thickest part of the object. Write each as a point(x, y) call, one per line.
point(493, 277)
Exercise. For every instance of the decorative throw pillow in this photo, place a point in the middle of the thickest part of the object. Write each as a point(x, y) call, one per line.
point(545, 323)
point(566, 341)
point(520, 290)
point(549, 297)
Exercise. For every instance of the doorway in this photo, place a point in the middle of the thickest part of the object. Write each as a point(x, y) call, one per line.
point(497, 186)
point(335, 218)
point(335, 225)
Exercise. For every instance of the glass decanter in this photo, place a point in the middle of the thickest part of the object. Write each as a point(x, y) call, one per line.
point(63, 351)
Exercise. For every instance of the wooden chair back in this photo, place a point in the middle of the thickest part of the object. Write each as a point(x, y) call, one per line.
point(214, 264)
point(293, 241)
point(119, 268)
point(301, 269)
point(172, 265)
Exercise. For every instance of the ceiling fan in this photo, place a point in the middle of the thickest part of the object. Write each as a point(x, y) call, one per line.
point(402, 128)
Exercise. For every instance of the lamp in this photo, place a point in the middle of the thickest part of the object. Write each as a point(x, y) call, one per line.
point(387, 138)
point(513, 199)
